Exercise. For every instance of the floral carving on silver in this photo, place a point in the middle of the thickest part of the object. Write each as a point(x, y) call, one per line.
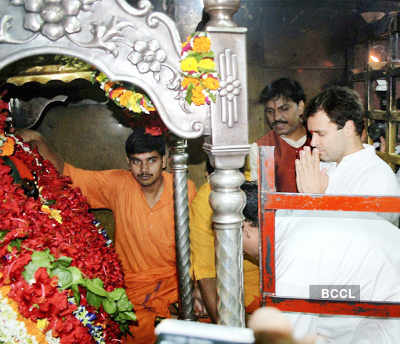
point(230, 88)
point(53, 18)
point(148, 56)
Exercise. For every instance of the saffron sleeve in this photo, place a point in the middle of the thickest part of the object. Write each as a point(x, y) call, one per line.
point(97, 186)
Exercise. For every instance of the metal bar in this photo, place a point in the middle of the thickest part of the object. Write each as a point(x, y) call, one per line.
point(277, 200)
point(179, 167)
point(266, 176)
point(377, 309)
point(227, 201)
point(268, 252)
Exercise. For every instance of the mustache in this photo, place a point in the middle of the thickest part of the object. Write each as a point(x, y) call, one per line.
point(278, 122)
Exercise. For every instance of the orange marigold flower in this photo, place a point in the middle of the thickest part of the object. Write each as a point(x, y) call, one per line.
point(116, 92)
point(211, 83)
point(187, 81)
point(7, 148)
point(201, 44)
point(108, 85)
point(198, 96)
point(124, 98)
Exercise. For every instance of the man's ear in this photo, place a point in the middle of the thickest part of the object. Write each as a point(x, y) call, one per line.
point(300, 108)
point(164, 162)
point(349, 128)
point(246, 229)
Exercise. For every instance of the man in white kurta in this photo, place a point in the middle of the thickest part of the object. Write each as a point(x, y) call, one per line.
point(339, 163)
point(342, 248)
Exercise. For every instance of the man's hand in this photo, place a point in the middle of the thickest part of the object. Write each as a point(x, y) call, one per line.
point(309, 177)
point(36, 140)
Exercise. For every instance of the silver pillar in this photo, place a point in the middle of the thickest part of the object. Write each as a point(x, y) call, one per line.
point(228, 200)
point(179, 167)
point(227, 146)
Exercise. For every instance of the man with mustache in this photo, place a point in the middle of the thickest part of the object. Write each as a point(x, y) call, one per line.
point(141, 199)
point(283, 102)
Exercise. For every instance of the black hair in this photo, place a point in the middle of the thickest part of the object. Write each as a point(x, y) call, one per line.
point(283, 87)
point(140, 142)
point(250, 211)
point(205, 17)
point(210, 169)
point(341, 104)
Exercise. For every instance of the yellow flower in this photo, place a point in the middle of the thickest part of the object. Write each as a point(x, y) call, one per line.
point(188, 80)
point(189, 64)
point(133, 102)
point(201, 44)
point(206, 63)
point(198, 96)
point(211, 83)
point(124, 98)
point(42, 324)
point(53, 213)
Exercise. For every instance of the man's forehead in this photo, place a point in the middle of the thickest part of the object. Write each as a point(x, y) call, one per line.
point(278, 101)
point(319, 121)
point(144, 156)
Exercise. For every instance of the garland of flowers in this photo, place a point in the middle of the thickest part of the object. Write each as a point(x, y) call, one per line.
point(59, 270)
point(135, 105)
point(200, 79)
point(124, 96)
point(199, 85)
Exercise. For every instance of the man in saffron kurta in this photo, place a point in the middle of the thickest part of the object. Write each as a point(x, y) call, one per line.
point(142, 203)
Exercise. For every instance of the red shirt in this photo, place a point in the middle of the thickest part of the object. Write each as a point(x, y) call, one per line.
point(285, 156)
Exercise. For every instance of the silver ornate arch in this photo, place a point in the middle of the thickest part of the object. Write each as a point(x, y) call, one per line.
point(143, 47)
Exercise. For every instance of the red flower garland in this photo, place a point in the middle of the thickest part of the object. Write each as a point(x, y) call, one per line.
point(26, 228)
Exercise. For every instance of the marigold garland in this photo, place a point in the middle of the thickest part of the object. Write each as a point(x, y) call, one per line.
point(58, 269)
point(199, 84)
point(200, 80)
point(126, 97)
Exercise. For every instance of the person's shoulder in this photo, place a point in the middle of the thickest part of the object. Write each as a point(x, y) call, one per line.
point(267, 139)
point(379, 173)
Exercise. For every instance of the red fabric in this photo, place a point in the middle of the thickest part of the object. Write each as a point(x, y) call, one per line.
point(252, 307)
point(23, 170)
point(285, 156)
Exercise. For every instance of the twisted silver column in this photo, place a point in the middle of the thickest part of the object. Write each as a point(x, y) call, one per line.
point(179, 167)
point(227, 201)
